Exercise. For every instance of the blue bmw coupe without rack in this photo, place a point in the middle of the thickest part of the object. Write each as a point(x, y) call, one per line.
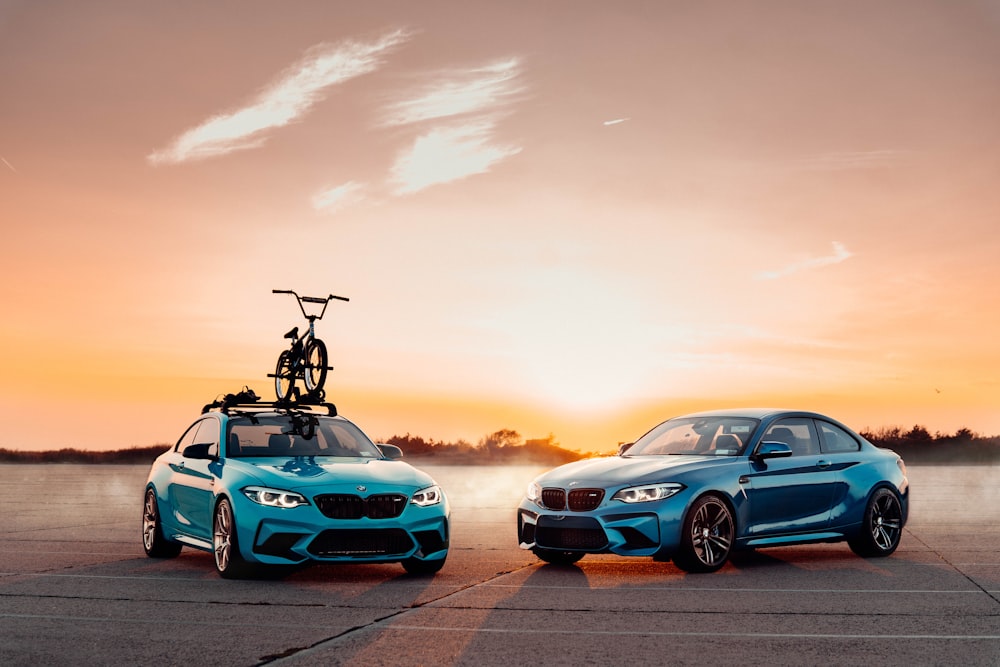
point(269, 484)
point(697, 487)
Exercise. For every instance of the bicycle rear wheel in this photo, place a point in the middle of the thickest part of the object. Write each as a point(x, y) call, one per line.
point(316, 364)
point(284, 376)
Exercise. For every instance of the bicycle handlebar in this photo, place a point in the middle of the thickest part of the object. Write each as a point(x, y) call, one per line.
point(310, 299)
point(316, 299)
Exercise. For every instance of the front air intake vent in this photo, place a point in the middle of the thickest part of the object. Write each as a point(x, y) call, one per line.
point(361, 543)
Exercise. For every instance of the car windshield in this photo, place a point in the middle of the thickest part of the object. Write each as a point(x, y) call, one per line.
point(700, 436)
point(297, 435)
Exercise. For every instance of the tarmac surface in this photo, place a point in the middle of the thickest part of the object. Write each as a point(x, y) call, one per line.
point(76, 588)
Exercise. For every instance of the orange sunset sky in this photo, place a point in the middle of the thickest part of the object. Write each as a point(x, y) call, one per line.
point(566, 217)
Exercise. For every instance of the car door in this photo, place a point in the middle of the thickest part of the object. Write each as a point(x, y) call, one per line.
point(192, 484)
point(841, 452)
point(792, 494)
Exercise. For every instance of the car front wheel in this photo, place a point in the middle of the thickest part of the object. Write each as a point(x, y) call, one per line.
point(228, 561)
point(153, 541)
point(708, 535)
point(882, 527)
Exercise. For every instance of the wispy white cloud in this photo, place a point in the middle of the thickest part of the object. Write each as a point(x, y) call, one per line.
point(4, 160)
point(447, 154)
point(472, 100)
point(292, 95)
point(336, 198)
point(616, 121)
point(840, 254)
point(469, 91)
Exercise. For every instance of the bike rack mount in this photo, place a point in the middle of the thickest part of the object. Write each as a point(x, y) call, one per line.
point(247, 399)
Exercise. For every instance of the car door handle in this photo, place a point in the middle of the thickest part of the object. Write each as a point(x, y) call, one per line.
point(823, 464)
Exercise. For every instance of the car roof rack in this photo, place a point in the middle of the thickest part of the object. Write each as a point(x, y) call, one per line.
point(248, 401)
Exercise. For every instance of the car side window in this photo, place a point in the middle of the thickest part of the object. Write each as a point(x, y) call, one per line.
point(796, 433)
point(187, 438)
point(208, 433)
point(835, 439)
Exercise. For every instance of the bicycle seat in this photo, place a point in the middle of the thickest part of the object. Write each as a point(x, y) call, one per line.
point(293, 334)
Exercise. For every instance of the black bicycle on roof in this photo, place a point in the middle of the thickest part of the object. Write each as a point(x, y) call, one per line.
point(306, 357)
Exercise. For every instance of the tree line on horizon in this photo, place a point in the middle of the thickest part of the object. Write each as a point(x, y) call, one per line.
point(506, 447)
point(918, 445)
point(915, 445)
point(503, 447)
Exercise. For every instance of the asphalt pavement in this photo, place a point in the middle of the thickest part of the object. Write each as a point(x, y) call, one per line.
point(76, 588)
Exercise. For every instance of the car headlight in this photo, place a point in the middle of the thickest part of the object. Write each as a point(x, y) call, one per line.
point(534, 491)
point(645, 494)
point(274, 497)
point(426, 497)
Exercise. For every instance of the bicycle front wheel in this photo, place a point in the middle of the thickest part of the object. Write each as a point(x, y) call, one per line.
point(316, 364)
point(284, 376)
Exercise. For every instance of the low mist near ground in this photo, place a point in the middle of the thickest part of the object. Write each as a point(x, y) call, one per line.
point(496, 487)
point(100, 489)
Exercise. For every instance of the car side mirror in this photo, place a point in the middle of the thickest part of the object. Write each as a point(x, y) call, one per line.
point(199, 451)
point(624, 447)
point(772, 450)
point(391, 452)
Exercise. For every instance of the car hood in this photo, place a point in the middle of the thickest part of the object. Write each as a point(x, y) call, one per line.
point(622, 470)
point(310, 471)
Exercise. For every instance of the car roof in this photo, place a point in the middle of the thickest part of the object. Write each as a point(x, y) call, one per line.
point(754, 413)
point(270, 414)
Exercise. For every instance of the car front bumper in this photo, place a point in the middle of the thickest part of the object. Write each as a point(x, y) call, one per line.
point(276, 536)
point(620, 529)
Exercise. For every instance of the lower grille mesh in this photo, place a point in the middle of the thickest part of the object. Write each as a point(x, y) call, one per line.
point(591, 539)
point(391, 542)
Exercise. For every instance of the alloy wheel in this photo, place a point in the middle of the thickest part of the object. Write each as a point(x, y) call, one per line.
point(149, 522)
point(712, 533)
point(886, 521)
point(223, 536)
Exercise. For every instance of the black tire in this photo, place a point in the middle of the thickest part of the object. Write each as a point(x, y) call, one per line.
point(153, 541)
point(284, 376)
point(557, 557)
point(708, 535)
point(882, 527)
point(316, 364)
point(229, 562)
point(417, 566)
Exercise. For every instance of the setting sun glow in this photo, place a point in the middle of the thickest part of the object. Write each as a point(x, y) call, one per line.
point(569, 218)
